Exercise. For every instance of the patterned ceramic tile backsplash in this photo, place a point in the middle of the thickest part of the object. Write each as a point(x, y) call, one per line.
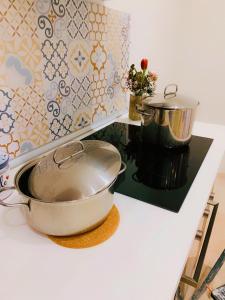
point(62, 67)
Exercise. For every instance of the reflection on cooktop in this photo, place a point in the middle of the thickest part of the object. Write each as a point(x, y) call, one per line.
point(155, 175)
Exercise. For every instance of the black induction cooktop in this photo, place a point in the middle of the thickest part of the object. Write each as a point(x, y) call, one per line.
point(155, 175)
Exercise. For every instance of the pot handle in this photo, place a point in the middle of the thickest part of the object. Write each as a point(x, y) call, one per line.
point(141, 111)
point(2, 201)
point(123, 169)
point(170, 93)
point(60, 162)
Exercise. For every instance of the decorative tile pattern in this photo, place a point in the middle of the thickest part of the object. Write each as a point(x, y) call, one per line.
point(79, 57)
point(29, 105)
point(77, 24)
point(34, 136)
point(54, 55)
point(17, 19)
point(125, 51)
point(82, 93)
point(62, 67)
point(10, 144)
point(60, 128)
point(30, 114)
point(6, 118)
point(43, 6)
point(20, 62)
point(98, 57)
point(82, 118)
point(98, 21)
point(67, 106)
point(99, 112)
point(99, 87)
point(8, 138)
point(117, 64)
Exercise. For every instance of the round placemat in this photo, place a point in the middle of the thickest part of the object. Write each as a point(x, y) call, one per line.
point(91, 238)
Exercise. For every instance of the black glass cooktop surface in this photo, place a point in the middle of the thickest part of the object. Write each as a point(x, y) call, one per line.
point(155, 175)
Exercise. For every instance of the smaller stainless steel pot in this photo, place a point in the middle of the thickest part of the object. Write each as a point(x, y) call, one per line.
point(168, 120)
point(61, 218)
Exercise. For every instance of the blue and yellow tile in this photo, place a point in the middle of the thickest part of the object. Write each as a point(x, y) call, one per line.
point(63, 66)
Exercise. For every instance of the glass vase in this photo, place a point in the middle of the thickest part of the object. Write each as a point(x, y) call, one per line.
point(133, 114)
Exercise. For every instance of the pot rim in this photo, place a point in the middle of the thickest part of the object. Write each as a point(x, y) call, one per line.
point(170, 100)
point(170, 109)
point(32, 163)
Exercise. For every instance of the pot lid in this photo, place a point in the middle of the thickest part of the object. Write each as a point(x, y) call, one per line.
point(75, 171)
point(170, 100)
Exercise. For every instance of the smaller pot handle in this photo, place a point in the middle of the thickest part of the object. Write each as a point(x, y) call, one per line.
point(60, 162)
point(173, 93)
point(2, 201)
point(123, 169)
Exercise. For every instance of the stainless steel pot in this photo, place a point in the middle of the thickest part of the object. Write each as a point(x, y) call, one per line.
point(168, 120)
point(63, 217)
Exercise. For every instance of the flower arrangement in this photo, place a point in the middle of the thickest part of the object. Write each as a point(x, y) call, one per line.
point(141, 83)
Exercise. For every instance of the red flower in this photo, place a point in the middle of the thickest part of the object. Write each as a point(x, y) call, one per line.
point(144, 63)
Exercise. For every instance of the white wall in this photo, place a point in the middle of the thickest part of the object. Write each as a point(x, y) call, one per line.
point(155, 26)
point(204, 58)
point(185, 42)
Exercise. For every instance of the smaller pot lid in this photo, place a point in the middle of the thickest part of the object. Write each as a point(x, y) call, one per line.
point(75, 171)
point(4, 159)
point(170, 100)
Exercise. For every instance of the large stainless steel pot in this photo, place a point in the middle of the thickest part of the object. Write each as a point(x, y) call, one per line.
point(61, 216)
point(168, 120)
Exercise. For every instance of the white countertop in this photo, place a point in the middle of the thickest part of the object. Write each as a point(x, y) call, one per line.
point(144, 259)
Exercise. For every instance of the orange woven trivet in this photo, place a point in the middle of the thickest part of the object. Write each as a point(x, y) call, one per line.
point(93, 237)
